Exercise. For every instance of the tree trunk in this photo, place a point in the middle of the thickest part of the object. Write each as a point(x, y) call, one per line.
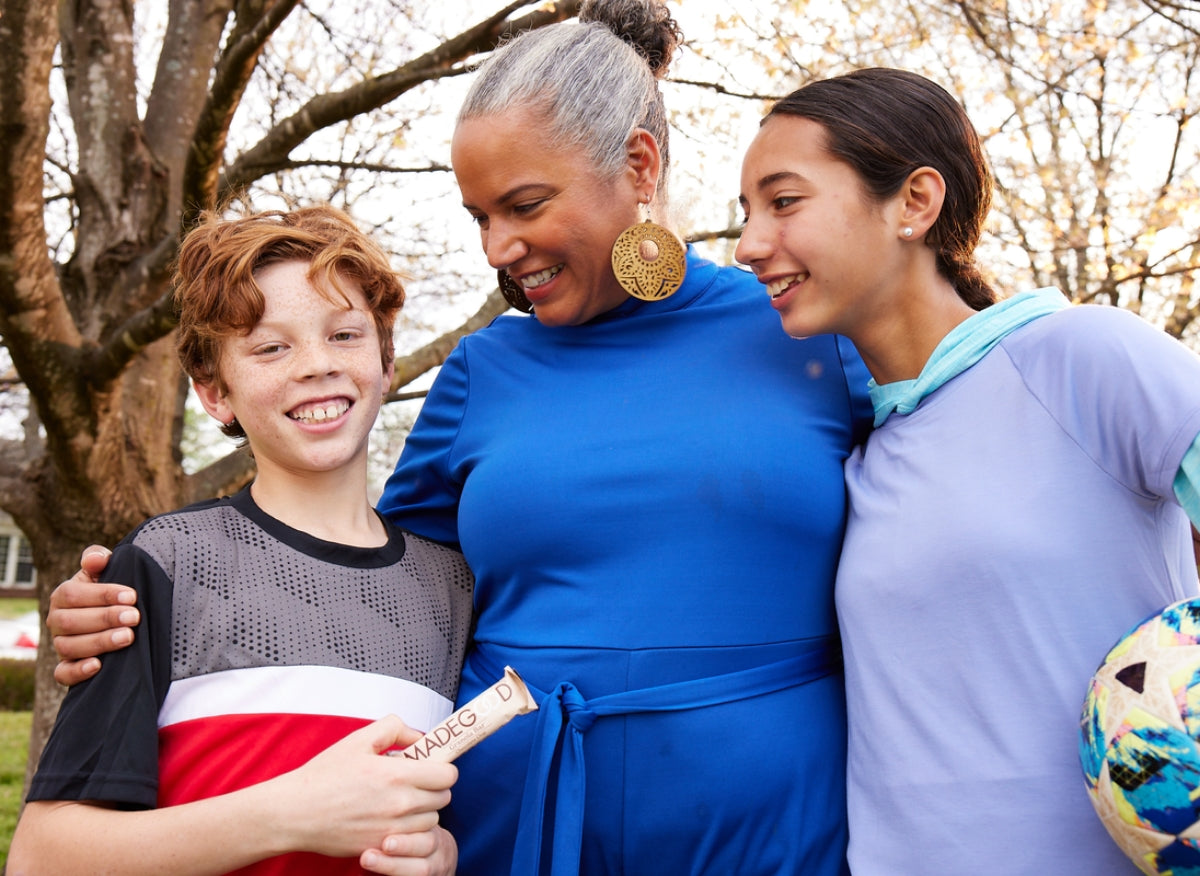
point(133, 471)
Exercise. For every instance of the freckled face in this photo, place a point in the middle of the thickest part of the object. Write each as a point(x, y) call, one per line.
point(544, 214)
point(307, 382)
point(813, 236)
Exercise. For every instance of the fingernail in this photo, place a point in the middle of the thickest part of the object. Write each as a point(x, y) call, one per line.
point(128, 617)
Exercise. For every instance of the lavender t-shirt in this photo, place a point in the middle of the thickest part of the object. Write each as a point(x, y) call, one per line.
point(1001, 537)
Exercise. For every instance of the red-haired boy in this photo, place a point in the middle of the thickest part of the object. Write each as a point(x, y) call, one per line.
point(283, 628)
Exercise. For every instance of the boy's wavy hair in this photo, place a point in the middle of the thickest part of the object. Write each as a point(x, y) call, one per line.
point(217, 297)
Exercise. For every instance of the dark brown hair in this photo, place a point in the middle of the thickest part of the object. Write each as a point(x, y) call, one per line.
point(886, 123)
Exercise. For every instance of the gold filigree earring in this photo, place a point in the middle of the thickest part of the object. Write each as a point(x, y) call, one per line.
point(650, 262)
point(513, 293)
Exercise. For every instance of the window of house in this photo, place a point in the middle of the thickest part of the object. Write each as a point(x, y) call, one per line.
point(26, 574)
point(16, 562)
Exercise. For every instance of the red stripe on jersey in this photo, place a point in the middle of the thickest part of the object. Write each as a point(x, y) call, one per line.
point(211, 756)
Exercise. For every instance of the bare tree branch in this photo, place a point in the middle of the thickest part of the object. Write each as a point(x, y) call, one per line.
point(145, 327)
point(222, 478)
point(365, 166)
point(718, 88)
point(418, 362)
point(325, 110)
point(271, 154)
point(731, 233)
point(1184, 14)
point(253, 27)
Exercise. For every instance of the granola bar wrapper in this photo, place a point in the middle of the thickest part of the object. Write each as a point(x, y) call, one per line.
point(475, 721)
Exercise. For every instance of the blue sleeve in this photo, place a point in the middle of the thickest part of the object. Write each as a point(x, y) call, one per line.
point(104, 745)
point(862, 413)
point(422, 493)
point(1187, 483)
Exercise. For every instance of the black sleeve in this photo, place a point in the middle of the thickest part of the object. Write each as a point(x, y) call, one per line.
point(104, 745)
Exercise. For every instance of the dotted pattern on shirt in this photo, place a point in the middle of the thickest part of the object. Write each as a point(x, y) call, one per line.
point(243, 598)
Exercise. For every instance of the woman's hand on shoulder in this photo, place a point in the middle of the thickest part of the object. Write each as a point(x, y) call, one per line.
point(88, 618)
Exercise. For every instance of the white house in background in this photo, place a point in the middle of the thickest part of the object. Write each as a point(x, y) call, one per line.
point(17, 574)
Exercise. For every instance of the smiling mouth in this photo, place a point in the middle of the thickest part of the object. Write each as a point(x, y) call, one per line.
point(532, 281)
point(319, 413)
point(777, 287)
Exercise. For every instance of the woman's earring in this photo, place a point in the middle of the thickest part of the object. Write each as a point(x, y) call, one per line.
point(513, 293)
point(650, 262)
point(908, 232)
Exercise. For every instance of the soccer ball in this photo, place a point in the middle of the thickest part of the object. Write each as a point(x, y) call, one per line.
point(1139, 741)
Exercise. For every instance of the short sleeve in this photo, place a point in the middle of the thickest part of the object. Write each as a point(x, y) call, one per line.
point(1127, 393)
point(422, 493)
point(104, 744)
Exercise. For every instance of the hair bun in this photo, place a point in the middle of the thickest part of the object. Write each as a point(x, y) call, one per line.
point(646, 25)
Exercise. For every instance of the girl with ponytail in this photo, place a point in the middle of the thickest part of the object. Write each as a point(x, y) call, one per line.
point(1024, 498)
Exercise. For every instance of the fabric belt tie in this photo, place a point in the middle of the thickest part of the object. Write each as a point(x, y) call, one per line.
point(564, 714)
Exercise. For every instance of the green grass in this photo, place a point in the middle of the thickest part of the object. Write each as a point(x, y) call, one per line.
point(14, 749)
point(17, 607)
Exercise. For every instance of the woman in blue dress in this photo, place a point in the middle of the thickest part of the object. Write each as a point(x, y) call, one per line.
point(648, 489)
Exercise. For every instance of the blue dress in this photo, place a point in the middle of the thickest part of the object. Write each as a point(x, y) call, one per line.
point(653, 505)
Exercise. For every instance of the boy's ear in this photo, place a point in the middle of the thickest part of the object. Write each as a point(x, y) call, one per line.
point(213, 401)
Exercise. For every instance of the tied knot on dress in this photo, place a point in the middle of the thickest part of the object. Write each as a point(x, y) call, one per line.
point(564, 716)
point(574, 707)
